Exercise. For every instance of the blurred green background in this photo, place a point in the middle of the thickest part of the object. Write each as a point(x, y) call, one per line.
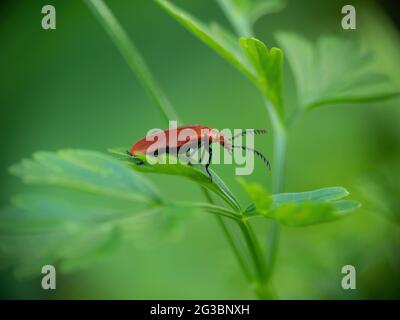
point(70, 88)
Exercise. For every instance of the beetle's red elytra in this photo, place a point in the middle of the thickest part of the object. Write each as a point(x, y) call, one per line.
point(194, 137)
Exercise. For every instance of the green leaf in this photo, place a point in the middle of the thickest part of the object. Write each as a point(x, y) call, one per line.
point(14, 221)
point(268, 64)
point(86, 171)
point(88, 246)
point(262, 65)
point(346, 206)
point(82, 208)
point(303, 214)
point(27, 252)
point(65, 208)
point(299, 209)
point(242, 14)
point(171, 166)
point(309, 213)
point(261, 199)
point(214, 36)
point(70, 248)
point(333, 71)
point(76, 229)
point(320, 195)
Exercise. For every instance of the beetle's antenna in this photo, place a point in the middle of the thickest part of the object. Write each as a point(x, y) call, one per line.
point(249, 131)
point(258, 153)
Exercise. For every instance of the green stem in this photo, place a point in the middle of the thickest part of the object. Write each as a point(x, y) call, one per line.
point(132, 57)
point(252, 244)
point(280, 143)
point(278, 178)
point(230, 239)
point(225, 212)
point(258, 261)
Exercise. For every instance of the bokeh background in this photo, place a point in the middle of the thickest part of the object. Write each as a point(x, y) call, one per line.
point(70, 88)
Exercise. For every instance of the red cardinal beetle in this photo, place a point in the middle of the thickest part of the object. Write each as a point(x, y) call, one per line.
point(199, 134)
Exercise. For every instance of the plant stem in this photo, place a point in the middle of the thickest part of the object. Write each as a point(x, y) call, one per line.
point(132, 57)
point(278, 177)
point(254, 249)
point(222, 211)
point(256, 252)
point(230, 239)
point(280, 142)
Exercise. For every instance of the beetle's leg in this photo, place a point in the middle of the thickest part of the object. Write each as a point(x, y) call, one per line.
point(189, 154)
point(198, 149)
point(178, 150)
point(209, 160)
point(199, 145)
point(203, 153)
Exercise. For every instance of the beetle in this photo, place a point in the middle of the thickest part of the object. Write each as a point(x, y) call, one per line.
point(196, 136)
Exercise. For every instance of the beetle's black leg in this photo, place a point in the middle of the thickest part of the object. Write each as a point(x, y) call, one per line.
point(209, 160)
point(191, 151)
point(189, 155)
point(178, 149)
point(202, 153)
point(199, 145)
